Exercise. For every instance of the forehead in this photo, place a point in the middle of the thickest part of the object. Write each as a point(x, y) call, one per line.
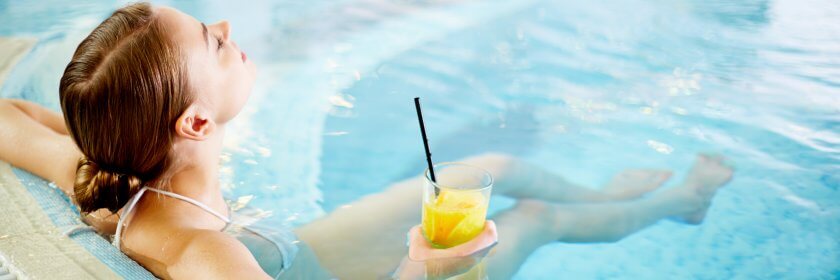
point(185, 30)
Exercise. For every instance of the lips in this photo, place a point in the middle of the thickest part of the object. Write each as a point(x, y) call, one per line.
point(244, 57)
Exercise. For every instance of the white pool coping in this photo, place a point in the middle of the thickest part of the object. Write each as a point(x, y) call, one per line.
point(32, 245)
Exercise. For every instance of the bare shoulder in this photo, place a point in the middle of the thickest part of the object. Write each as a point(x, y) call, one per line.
point(207, 254)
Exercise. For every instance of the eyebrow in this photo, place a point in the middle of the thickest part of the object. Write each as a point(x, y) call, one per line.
point(204, 32)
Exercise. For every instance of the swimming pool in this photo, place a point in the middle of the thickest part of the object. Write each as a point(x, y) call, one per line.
point(583, 89)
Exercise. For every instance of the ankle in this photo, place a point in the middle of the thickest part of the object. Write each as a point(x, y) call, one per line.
point(675, 202)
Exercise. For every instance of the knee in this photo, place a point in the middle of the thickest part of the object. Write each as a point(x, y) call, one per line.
point(544, 219)
point(537, 211)
point(491, 160)
point(496, 157)
point(533, 207)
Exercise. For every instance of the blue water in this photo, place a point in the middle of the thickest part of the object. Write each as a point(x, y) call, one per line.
point(582, 88)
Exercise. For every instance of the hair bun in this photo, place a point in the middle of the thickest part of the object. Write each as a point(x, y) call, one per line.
point(97, 188)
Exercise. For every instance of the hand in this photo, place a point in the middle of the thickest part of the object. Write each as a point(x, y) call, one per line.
point(426, 262)
point(420, 249)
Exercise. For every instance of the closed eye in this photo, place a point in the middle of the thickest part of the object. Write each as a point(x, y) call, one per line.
point(219, 42)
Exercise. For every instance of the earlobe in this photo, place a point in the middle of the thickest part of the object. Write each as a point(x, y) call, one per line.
point(194, 125)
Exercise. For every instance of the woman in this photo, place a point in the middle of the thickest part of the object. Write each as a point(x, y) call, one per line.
point(146, 98)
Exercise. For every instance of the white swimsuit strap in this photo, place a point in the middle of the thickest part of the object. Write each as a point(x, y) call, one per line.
point(193, 202)
point(136, 198)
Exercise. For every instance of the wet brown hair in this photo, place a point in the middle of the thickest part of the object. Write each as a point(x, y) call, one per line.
point(121, 95)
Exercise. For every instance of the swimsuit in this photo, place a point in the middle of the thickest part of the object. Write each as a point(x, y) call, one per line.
point(274, 247)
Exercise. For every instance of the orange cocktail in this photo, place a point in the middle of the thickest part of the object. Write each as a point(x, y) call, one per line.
point(455, 206)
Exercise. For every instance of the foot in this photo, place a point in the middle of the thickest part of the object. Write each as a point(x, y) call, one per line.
point(708, 174)
point(633, 183)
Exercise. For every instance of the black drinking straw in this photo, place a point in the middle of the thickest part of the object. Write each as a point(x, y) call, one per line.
point(425, 141)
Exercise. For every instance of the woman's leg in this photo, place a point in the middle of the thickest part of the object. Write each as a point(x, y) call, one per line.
point(518, 179)
point(533, 223)
point(367, 238)
point(371, 231)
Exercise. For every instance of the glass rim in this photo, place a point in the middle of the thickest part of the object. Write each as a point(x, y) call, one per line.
point(483, 171)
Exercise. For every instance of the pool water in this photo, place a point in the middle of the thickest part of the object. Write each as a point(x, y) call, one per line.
point(582, 88)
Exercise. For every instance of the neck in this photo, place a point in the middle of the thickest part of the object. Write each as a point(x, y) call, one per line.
point(199, 179)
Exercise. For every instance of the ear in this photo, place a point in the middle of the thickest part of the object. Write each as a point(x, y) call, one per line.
point(194, 124)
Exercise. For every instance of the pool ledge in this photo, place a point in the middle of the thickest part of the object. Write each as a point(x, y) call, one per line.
point(32, 245)
point(12, 49)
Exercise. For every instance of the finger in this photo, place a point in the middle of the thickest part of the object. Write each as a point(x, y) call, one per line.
point(485, 240)
point(491, 230)
point(488, 236)
point(419, 248)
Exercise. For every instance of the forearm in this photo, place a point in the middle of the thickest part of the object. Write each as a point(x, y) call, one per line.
point(41, 115)
point(27, 144)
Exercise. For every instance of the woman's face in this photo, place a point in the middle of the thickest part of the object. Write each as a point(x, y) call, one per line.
point(220, 73)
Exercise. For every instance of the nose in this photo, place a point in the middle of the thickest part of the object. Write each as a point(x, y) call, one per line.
point(225, 27)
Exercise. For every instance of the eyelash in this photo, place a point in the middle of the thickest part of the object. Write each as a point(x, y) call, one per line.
point(220, 42)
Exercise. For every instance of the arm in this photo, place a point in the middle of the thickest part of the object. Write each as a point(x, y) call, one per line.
point(31, 139)
point(45, 117)
point(208, 254)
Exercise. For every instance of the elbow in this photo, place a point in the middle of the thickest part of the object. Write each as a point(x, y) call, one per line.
point(7, 104)
point(6, 107)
